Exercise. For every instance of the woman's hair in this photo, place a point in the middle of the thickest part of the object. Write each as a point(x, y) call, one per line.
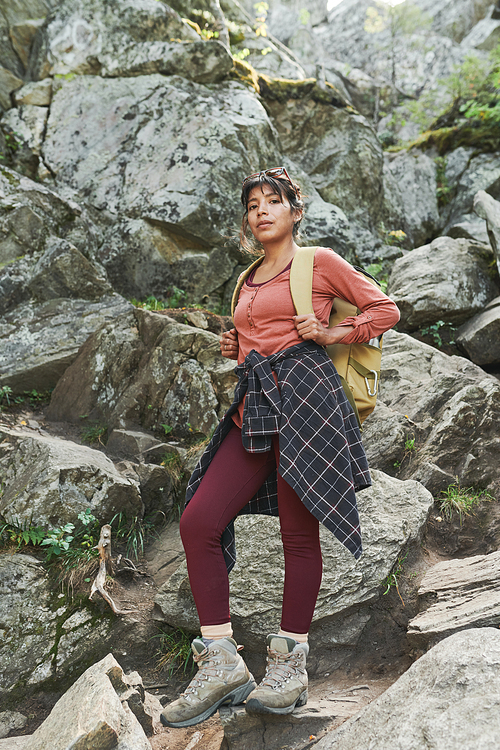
point(282, 187)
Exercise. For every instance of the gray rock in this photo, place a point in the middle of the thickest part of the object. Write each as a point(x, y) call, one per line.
point(14, 743)
point(479, 337)
point(130, 443)
point(49, 481)
point(143, 259)
point(410, 187)
point(447, 700)
point(34, 621)
point(469, 227)
point(176, 156)
point(87, 37)
point(144, 369)
point(40, 341)
point(454, 18)
point(448, 280)
point(450, 407)
point(30, 213)
point(392, 514)
point(27, 124)
point(98, 711)
point(23, 32)
point(469, 173)
point(38, 93)
point(244, 731)
point(63, 271)
point(10, 721)
point(485, 35)
point(337, 148)
point(9, 82)
point(488, 208)
point(456, 595)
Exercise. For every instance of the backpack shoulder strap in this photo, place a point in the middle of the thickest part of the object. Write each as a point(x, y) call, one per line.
point(241, 280)
point(301, 277)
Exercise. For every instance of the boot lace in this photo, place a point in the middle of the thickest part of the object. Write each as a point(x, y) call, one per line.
point(280, 668)
point(206, 669)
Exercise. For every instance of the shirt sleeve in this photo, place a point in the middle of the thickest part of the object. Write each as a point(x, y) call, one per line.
point(378, 312)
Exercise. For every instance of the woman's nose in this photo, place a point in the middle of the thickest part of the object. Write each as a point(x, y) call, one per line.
point(262, 209)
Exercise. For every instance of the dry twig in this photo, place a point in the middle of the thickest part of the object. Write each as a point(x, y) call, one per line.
point(106, 566)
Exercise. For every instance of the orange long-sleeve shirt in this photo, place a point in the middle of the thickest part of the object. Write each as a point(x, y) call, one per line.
point(264, 315)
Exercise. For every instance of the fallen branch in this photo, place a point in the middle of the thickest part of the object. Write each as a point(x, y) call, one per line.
point(106, 566)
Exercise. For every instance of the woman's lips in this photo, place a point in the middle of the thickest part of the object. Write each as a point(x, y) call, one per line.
point(264, 224)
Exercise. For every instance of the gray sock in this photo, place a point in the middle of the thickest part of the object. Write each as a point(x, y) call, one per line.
point(207, 641)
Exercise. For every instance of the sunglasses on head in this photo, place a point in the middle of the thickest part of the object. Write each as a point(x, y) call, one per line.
point(274, 172)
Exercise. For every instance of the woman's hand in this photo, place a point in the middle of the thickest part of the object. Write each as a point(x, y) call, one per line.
point(310, 329)
point(229, 346)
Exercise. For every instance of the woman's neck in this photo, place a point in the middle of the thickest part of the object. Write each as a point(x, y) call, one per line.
point(278, 254)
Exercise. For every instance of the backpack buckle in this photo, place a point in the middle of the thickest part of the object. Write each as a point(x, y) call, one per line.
point(374, 393)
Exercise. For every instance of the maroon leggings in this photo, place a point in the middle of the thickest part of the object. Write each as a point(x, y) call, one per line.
point(231, 480)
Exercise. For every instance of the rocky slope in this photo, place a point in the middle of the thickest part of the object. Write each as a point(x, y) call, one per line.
point(125, 131)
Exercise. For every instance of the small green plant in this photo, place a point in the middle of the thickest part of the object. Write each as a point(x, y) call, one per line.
point(462, 501)
point(304, 16)
point(260, 26)
point(241, 54)
point(409, 444)
point(168, 428)
point(174, 652)
point(434, 330)
point(133, 534)
point(392, 580)
point(58, 540)
point(95, 433)
point(5, 396)
point(21, 533)
point(443, 189)
point(36, 398)
point(377, 270)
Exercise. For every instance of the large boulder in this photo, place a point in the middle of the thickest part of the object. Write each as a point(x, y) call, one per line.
point(103, 709)
point(40, 340)
point(392, 514)
point(163, 149)
point(48, 481)
point(457, 595)
point(446, 407)
point(488, 208)
point(447, 700)
point(145, 369)
point(479, 337)
point(43, 636)
point(469, 172)
point(334, 144)
point(124, 38)
point(447, 280)
point(410, 195)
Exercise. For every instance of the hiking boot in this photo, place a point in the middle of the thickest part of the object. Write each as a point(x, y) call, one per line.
point(284, 686)
point(222, 679)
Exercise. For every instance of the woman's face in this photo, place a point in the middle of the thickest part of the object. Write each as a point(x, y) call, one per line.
point(269, 219)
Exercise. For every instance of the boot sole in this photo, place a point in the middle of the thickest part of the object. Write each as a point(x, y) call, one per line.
point(254, 706)
point(234, 698)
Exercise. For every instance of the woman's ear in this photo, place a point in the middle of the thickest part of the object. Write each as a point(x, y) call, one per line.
point(298, 214)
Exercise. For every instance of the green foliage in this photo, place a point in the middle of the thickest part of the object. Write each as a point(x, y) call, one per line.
point(392, 580)
point(434, 330)
point(133, 534)
point(443, 189)
point(168, 428)
point(461, 501)
point(95, 433)
point(401, 21)
point(240, 54)
point(58, 540)
point(35, 398)
point(304, 16)
point(260, 26)
point(5, 395)
point(173, 464)
point(174, 652)
point(377, 270)
point(20, 533)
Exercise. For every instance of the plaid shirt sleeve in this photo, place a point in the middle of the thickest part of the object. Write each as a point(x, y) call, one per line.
point(321, 453)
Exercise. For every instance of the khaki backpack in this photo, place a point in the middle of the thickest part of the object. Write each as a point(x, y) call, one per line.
point(358, 365)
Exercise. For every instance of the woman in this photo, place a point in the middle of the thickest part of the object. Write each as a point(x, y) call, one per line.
point(290, 412)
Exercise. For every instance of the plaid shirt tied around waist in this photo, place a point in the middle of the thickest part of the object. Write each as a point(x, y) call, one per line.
point(321, 453)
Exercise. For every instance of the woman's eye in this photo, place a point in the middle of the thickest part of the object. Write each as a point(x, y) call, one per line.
point(251, 207)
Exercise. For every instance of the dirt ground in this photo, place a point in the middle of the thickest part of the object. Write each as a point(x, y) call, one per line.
point(382, 655)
